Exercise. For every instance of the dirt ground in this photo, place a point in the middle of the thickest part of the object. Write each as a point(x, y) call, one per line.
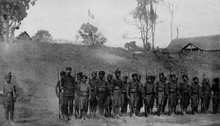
point(38, 105)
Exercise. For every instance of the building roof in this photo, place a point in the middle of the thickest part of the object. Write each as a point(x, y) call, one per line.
point(204, 43)
point(23, 35)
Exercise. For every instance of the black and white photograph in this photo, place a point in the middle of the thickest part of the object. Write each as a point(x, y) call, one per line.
point(109, 62)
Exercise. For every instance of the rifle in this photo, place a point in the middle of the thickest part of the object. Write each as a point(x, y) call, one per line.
point(75, 73)
point(89, 110)
point(128, 84)
point(59, 92)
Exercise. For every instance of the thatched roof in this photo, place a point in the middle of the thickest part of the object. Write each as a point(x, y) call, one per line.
point(207, 43)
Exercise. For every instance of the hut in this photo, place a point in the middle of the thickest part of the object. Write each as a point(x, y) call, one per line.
point(196, 44)
point(24, 36)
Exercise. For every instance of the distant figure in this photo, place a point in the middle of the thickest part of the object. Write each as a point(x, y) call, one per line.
point(216, 97)
point(101, 93)
point(109, 101)
point(149, 91)
point(124, 95)
point(185, 94)
point(130, 45)
point(161, 91)
point(9, 99)
point(77, 96)
point(172, 94)
point(93, 100)
point(133, 89)
point(69, 93)
point(195, 95)
point(59, 93)
point(117, 91)
point(140, 98)
point(84, 95)
point(206, 95)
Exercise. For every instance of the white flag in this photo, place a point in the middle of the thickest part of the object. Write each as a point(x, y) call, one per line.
point(91, 15)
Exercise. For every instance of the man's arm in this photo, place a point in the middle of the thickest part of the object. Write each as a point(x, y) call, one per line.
point(57, 88)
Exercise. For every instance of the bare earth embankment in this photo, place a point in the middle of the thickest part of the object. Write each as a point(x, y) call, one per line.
point(34, 67)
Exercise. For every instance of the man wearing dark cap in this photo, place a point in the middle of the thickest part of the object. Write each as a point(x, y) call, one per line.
point(9, 98)
point(117, 92)
point(133, 94)
point(173, 93)
point(109, 101)
point(84, 95)
point(101, 88)
point(206, 95)
point(93, 100)
point(165, 95)
point(184, 94)
point(148, 94)
point(153, 78)
point(216, 95)
point(68, 93)
point(195, 95)
point(140, 98)
point(161, 91)
point(124, 95)
point(59, 93)
point(77, 98)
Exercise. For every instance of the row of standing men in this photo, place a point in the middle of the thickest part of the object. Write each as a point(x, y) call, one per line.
point(112, 96)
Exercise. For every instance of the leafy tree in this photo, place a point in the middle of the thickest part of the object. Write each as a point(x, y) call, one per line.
point(144, 19)
point(12, 12)
point(42, 36)
point(90, 35)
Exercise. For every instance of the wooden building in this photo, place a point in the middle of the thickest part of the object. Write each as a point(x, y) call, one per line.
point(24, 36)
point(195, 44)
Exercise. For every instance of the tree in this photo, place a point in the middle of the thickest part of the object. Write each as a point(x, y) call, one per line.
point(144, 19)
point(171, 7)
point(42, 36)
point(12, 12)
point(90, 35)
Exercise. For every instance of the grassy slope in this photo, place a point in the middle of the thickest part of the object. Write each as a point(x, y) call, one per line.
point(34, 66)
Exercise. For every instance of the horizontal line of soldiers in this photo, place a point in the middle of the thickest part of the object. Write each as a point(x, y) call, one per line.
point(112, 96)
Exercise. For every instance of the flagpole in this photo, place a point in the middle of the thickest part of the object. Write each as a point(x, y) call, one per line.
point(88, 15)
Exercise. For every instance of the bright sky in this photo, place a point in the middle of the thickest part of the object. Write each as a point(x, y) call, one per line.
point(63, 19)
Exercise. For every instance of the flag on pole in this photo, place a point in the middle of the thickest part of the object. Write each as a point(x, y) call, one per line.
point(91, 15)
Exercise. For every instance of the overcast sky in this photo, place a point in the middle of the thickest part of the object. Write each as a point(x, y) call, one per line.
point(63, 19)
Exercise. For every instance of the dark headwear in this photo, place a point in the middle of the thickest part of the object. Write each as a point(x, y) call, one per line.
point(216, 80)
point(126, 77)
point(69, 68)
point(206, 79)
point(117, 71)
point(161, 74)
point(102, 72)
point(94, 72)
point(133, 75)
point(184, 76)
point(109, 76)
point(8, 76)
point(62, 73)
point(195, 78)
point(165, 78)
point(172, 75)
point(148, 77)
point(84, 76)
point(152, 77)
point(80, 74)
